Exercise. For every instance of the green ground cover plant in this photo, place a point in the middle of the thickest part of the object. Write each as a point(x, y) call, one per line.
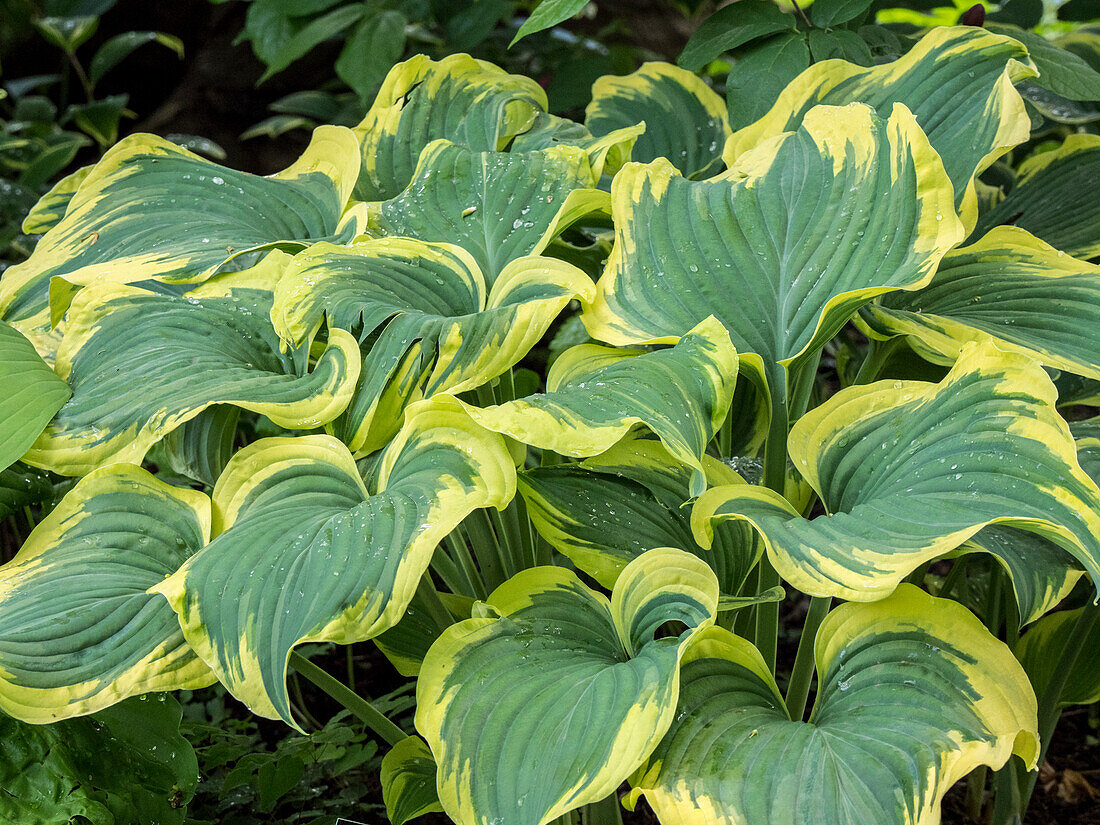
point(556, 414)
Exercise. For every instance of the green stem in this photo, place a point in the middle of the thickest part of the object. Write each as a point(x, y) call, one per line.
point(461, 552)
point(488, 538)
point(1049, 709)
point(954, 576)
point(526, 531)
point(877, 354)
point(444, 566)
point(507, 388)
point(975, 791)
point(481, 539)
point(605, 812)
point(429, 597)
point(349, 655)
point(360, 707)
point(803, 385)
point(775, 478)
point(725, 437)
point(745, 622)
point(799, 688)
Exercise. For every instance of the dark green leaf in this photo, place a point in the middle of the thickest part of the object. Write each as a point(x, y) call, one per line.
point(548, 14)
point(761, 73)
point(1060, 71)
point(376, 44)
point(119, 47)
point(731, 27)
point(1080, 11)
point(1023, 13)
point(826, 13)
point(311, 35)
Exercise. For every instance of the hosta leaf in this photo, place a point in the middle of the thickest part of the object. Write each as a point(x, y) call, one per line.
point(125, 764)
point(915, 693)
point(201, 448)
point(79, 630)
point(908, 471)
point(1060, 70)
point(425, 318)
point(32, 394)
point(141, 364)
point(304, 553)
point(608, 510)
point(467, 101)
point(1047, 199)
point(685, 120)
point(1010, 286)
point(498, 206)
point(21, 486)
point(408, 781)
point(554, 701)
point(957, 81)
point(151, 209)
point(1041, 572)
point(52, 206)
point(406, 643)
point(1040, 649)
point(784, 247)
point(596, 395)
point(607, 153)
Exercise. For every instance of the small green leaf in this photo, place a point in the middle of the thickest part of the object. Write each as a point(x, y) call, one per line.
point(552, 703)
point(126, 764)
point(371, 50)
point(548, 14)
point(67, 33)
point(119, 47)
point(761, 72)
point(311, 35)
point(826, 13)
point(685, 120)
point(731, 27)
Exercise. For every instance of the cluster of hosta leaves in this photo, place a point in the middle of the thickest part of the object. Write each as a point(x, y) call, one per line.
point(301, 409)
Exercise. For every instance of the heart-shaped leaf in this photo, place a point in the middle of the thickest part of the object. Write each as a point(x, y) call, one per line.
point(79, 630)
point(426, 320)
point(141, 364)
point(957, 81)
point(685, 120)
point(1048, 199)
point(908, 471)
point(596, 395)
point(151, 209)
point(498, 206)
point(304, 552)
point(554, 700)
point(915, 693)
point(1009, 286)
point(785, 246)
point(466, 101)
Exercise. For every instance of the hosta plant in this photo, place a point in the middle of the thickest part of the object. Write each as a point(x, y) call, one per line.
point(806, 359)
